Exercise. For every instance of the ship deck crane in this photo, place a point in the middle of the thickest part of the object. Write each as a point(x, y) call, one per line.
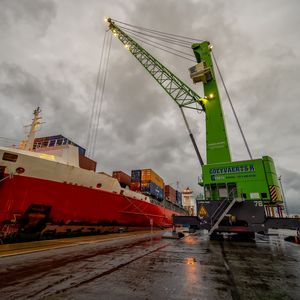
point(240, 196)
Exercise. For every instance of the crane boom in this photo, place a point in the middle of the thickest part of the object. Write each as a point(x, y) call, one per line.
point(217, 147)
point(178, 90)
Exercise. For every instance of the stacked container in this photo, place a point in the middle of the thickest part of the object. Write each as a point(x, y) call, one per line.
point(179, 198)
point(123, 178)
point(170, 193)
point(135, 184)
point(148, 182)
point(148, 175)
point(136, 175)
point(152, 184)
point(152, 189)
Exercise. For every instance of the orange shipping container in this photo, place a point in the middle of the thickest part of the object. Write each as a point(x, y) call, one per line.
point(122, 177)
point(135, 186)
point(148, 175)
point(87, 163)
point(170, 193)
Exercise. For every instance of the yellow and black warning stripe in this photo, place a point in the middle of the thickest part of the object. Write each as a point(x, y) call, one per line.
point(275, 193)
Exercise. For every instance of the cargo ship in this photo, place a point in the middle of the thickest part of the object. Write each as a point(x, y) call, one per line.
point(50, 183)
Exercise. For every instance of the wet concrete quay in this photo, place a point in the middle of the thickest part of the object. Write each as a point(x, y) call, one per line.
point(144, 266)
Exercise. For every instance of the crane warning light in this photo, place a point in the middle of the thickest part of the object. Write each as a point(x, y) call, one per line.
point(211, 95)
point(126, 46)
point(204, 100)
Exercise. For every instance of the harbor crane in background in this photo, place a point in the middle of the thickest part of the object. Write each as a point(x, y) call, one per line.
point(241, 197)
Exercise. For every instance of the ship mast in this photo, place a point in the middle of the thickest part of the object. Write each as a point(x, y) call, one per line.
point(28, 143)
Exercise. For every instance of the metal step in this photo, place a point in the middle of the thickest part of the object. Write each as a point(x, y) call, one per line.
point(222, 216)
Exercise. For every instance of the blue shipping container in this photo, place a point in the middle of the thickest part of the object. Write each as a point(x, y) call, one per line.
point(178, 198)
point(153, 190)
point(136, 175)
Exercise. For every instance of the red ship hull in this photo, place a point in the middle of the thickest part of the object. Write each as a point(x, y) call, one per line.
point(69, 203)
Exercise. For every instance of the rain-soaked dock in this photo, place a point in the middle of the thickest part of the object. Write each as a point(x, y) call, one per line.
point(144, 266)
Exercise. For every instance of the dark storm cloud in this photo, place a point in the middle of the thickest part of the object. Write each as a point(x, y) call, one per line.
point(49, 56)
point(23, 91)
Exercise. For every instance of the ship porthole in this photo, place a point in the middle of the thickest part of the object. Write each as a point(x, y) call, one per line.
point(98, 185)
point(20, 170)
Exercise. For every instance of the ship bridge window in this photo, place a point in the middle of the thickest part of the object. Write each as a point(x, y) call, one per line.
point(10, 157)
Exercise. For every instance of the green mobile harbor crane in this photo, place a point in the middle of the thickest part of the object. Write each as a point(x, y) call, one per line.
point(240, 197)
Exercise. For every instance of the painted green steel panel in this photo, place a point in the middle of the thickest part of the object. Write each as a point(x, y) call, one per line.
point(217, 147)
point(270, 171)
point(253, 178)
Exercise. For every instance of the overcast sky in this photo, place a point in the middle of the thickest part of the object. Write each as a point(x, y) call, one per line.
point(50, 53)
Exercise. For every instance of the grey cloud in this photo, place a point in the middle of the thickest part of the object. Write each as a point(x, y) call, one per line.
point(52, 62)
point(30, 16)
point(290, 182)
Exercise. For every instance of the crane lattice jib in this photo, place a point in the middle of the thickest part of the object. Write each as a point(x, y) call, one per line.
point(178, 90)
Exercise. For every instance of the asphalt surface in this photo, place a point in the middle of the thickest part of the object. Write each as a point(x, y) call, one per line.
point(148, 267)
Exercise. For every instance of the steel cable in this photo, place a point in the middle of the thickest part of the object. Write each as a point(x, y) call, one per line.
point(157, 47)
point(161, 38)
point(146, 39)
point(102, 95)
point(232, 107)
point(159, 32)
point(92, 116)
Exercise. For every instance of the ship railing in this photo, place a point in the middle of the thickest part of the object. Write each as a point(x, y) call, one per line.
point(12, 143)
point(9, 143)
point(51, 143)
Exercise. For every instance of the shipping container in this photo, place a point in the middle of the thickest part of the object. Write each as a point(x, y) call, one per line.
point(122, 177)
point(148, 175)
point(170, 193)
point(81, 150)
point(135, 186)
point(87, 163)
point(136, 176)
point(179, 198)
point(153, 190)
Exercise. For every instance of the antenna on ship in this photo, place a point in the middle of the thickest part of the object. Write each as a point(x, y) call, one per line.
point(28, 143)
